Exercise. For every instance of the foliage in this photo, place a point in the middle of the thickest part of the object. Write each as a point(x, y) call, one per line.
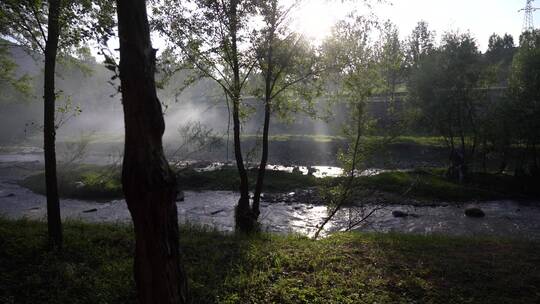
point(392, 65)
point(419, 44)
point(354, 77)
point(525, 89)
point(288, 66)
point(13, 84)
point(446, 90)
point(201, 35)
point(25, 21)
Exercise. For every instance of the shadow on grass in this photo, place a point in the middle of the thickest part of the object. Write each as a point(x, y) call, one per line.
point(96, 267)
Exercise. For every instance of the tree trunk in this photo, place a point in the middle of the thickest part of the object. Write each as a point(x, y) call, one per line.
point(267, 111)
point(264, 161)
point(244, 216)
point(54, 221)
point(149, 184)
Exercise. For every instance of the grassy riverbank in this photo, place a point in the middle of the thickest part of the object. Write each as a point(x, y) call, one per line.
point(423, 186)
point(96, 266)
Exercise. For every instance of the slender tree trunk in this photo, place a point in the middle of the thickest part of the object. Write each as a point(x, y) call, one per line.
point(228, 123)
point(267, 111)
point(149, 184)
point(344, 196)
point(54, 221)
point(264, 161)
point(244, 216)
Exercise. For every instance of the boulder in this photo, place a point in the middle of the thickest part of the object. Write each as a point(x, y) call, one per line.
point(399, 213)
point(474, 212)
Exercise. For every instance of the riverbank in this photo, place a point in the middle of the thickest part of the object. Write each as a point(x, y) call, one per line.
point(419, 187)
point(96, 267)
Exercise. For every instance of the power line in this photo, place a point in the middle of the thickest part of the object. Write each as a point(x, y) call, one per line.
point(528, 22)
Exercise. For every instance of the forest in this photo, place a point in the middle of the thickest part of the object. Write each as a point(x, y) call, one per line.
point(266, 151)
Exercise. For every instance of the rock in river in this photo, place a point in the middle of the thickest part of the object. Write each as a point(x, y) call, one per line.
point(474, 212)
point(398, 213)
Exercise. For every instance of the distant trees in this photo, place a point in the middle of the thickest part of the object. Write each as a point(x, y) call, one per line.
point(524, 89)
point(446, 88)
point(418, 45)
point(499, 56)
point(392, 62)
point(148, 183)
point(482, 104)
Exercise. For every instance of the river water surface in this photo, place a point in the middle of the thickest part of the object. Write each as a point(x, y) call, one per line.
point(215, 209)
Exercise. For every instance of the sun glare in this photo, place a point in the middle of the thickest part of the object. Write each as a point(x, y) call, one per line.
point(315, 18)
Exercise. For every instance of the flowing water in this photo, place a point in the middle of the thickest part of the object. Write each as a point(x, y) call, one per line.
point(216, 209)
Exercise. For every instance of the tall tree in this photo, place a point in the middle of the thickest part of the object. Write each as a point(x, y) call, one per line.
point(37, 24)
point(499, 57)
point(211, 38)
point(149, 184)
point(288, 68)
point(419, 44)
point(392, 68)
point(49, 130)
point(48, 28)
point(354, 76)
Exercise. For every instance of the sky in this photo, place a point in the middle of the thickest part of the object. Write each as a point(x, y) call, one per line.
point(481, 17)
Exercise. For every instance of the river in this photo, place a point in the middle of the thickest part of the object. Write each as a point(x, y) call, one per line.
point(215, 209)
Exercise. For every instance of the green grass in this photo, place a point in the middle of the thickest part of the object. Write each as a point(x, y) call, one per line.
point(227, 179)
point(296, 137)
point(426, 185)
point(100, 183)
point(96, 267)
point(81, 182)
point(435, 141)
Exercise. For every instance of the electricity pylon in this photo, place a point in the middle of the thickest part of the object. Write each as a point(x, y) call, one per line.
point(528, 22)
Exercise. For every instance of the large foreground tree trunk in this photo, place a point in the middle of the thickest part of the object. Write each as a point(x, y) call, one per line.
point(54, 221)
point(148, 182)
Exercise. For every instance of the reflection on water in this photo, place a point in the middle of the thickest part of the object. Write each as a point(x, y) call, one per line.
point(316, 171)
